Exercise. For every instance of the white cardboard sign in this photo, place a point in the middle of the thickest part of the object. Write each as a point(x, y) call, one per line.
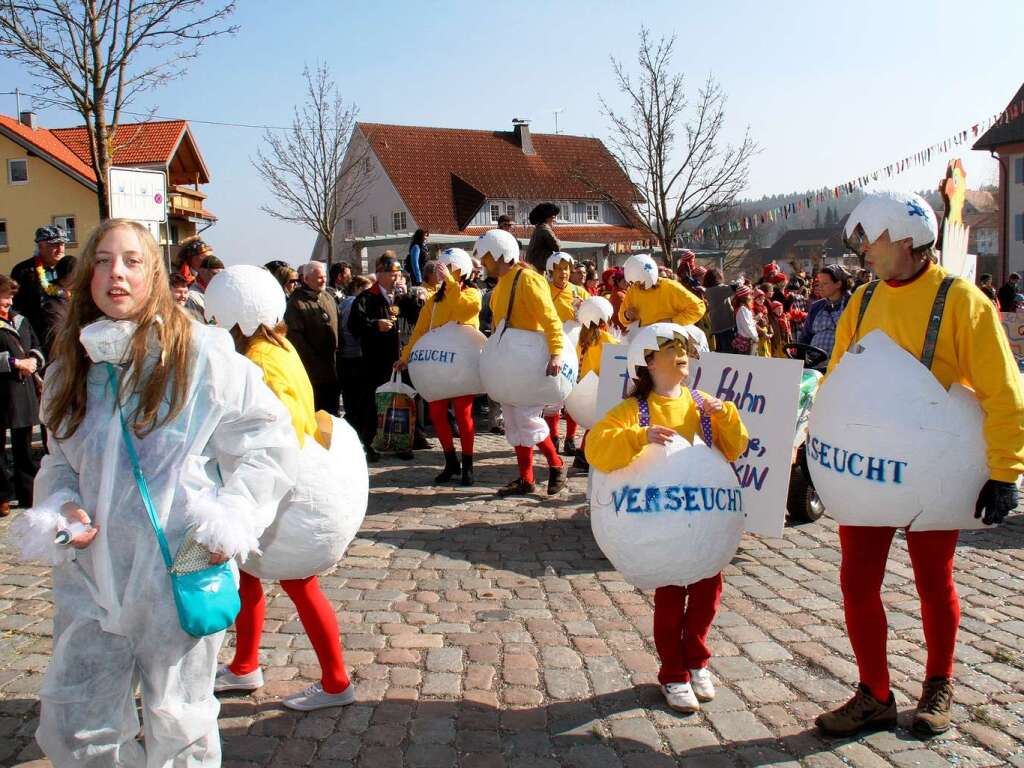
point(767, 393)
point(138, 194)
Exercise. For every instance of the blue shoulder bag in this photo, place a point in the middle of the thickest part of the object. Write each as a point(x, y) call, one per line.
point(206, 597)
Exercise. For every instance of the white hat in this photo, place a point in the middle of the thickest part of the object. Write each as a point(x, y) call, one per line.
point(245, 296)
point(457, 260)
point(557, 258)
point(502, 246)
point(641, 268)
point(594, 310)
point(649, 338)
point(901, 214)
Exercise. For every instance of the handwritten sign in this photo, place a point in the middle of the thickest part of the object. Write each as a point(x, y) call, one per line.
point(1014, 325)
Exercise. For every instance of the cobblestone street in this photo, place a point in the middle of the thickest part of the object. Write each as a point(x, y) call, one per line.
point(484, 633)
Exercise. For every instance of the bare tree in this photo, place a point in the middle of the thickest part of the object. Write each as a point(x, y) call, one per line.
point(95, 57)
point(675, 184)
point(315, 179)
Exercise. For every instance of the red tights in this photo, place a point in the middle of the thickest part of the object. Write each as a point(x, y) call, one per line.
point(682, 621)
point(865, 551)
point(316, 615)
point(463, 408)
point(524, 457)
point(570, 425)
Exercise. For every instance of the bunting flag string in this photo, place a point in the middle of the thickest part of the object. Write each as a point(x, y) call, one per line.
point(828, 194)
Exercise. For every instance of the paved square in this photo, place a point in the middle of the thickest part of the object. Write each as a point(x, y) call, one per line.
point(484, 633)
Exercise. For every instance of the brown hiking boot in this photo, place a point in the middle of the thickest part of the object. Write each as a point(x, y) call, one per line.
point(933, 708)
point(517, 487)
point(861, 713)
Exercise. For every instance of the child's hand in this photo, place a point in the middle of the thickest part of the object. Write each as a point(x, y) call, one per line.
point(75, 514)
point(712, 405)
point(658, 435)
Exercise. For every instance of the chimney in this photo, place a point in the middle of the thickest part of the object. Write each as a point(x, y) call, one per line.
point(28, 119)
point(521, 128)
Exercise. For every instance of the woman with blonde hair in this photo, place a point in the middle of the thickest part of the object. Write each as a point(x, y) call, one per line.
point(163, 440)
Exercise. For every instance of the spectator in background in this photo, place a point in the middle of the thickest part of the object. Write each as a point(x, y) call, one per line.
point(819, 329)
point(36, 275)
point(417, 257)
point(718, 298)
point(312, 320)
point(592, 283)
point(578, 275)
point(340, 278)
point(55, 308)
point(430, 280)
point(350, 355)
point(985, 286)
point(543, 241)
point(196, 304)
point(505, 222)
point(191, 252)
point(287, 277)
point(1008, 293)
point(495, 421)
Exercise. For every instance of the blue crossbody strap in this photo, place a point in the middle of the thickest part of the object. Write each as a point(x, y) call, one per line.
point(705, 421)
point(140, 479)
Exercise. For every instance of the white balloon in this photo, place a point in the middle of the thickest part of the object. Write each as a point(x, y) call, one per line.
point(513, 366)
point(672, 516)
point(323, 512)
point(445, 362)
point(581, 403)
point(246, 296)
point(888, 446)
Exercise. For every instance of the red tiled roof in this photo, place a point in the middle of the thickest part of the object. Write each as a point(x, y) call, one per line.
point(444, 174)
point(134, 143)
point(578, 234)
point(1010, 132)
point(49, 145)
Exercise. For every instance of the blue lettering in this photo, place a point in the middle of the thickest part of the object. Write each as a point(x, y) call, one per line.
point(876, 469)
point(653, 498)
point(745, 400)
point(840, 464)
point(823, 459)
point(719, 504)
point(691, 499)
point(897, 468)
point(673, 502)
point(860, 460)
point(814, 449)
point(632, 505)
point(619, 498)
point(707, 497)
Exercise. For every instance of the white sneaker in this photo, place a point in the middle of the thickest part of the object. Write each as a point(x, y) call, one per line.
point(700, 681)
point(680, 697)
point(227, 680)
point(315, 697)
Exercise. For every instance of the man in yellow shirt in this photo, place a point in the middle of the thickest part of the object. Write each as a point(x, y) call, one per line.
point(895, 233)
point(532, 310)
point(567, 297)
point(650, 299)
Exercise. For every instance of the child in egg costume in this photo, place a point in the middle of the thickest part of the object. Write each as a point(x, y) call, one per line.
point(594, 315)
point(456, 301)
point(659, 408)
point(521, 299)
point(567, 298)
point(965, 344)
point(650, 299)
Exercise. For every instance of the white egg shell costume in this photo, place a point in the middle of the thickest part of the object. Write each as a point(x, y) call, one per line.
point(321, 514)
point(674, 515)
point(911, 454)
point(581, 403)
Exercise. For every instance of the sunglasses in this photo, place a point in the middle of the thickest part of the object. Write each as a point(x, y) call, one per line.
point(295, 282)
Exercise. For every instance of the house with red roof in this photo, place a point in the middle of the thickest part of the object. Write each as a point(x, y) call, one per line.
point(455, 183)
point(48, 179)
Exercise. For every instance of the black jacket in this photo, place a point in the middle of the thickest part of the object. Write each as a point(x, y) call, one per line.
point(28, 301)
point(19, 404)
point(380, 348)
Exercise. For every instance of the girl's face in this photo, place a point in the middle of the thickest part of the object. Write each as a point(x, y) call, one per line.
point(670, 365)
point(120, 283)
point(6, 301)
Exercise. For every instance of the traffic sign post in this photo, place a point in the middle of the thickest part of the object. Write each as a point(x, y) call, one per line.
point(140, 195)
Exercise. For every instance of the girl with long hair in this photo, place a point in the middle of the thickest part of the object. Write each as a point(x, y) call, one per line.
point(154, 421)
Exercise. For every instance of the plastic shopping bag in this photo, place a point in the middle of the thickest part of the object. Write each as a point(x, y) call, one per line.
point(396, 416)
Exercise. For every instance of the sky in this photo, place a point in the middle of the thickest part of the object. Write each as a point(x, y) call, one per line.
point(829, 90)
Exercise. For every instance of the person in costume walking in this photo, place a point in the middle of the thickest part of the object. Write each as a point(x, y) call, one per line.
point(521, 299)
point(651, 299)
point(455, 301)
point(746, 338)
point(567, 298)
point(895, 234)
point(138, 390)
point(595, 314)
point(659, 408)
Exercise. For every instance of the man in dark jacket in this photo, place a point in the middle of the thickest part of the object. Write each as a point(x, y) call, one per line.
point(28, 302)
point(312, 319)
point(1008, 293)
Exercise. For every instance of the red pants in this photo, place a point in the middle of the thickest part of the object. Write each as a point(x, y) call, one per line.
point(316, 615)
point(463, 408)
point(682, 621)
point(524, 457)
point(570, 425)
point(865, 551)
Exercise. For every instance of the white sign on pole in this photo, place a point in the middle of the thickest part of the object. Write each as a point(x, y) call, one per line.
point(138, 194)
point(767, 393)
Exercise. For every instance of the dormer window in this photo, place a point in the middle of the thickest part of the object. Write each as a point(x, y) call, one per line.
point(593, 213)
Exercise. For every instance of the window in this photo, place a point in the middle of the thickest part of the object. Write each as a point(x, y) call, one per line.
point(67, 223)
point(1018, 170)
point(175, 234)
point(373, 225)
point(3, 235)
point(17, 171)
point(495, 212)
point(510, 211)
point(398, 221)
point(593, 212)
point(564, 212)
point(1018, 227)
point(349, 226)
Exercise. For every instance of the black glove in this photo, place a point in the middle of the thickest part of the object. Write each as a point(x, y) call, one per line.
point(996, 501)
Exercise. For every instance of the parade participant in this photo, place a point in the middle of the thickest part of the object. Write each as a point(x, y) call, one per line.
point(137, 389)
point(21, 359)
point(249, 306)
point(37, 275)
point(567, 297)
point(763, 348)
point(895, 233)
point(652, 300)
point(543, 241)
point(191, 252)
point(833, 286)
point(594, 316)
point(455, 301)
point(778, 325)
point(521, 299)
point(613, 288)
point(745, 340)
point(660, 407)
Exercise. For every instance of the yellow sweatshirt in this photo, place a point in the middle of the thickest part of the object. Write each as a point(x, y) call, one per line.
point(458, 304)
point(618, 438)
point(284, 373)
point(666, 302)
point(972, 349)
point(591, 360)
point(563, 299)
point(533, 310)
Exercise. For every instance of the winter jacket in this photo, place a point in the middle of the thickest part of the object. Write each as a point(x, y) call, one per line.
point(312, 319)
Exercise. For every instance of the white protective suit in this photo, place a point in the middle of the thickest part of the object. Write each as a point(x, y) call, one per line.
point(116, 624)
